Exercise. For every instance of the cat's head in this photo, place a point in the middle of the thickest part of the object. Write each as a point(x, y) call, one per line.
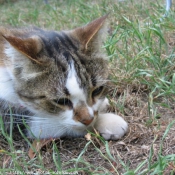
point(60, 76)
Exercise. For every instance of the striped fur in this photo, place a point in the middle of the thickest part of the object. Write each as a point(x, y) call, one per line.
point(60, 77)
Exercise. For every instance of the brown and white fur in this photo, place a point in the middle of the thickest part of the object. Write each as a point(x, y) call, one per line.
point(60, 79)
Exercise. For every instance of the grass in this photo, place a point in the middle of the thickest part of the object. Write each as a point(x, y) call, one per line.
point(141, 49)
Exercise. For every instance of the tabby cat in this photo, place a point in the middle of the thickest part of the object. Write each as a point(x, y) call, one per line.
point(56, 81)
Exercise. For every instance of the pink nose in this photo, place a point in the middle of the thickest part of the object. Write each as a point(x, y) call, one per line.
point(83, 115)
point(87, 121)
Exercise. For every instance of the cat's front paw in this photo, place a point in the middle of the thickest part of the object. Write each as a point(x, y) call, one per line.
point(111, 126)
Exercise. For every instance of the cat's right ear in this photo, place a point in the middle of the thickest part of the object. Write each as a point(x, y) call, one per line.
point(30, 47)
point(92, 35)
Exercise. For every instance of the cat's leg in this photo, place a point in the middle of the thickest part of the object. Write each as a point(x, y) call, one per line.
point(111, 126)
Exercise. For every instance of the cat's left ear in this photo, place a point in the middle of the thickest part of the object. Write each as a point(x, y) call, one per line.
point(29, 47)
point(91, 36)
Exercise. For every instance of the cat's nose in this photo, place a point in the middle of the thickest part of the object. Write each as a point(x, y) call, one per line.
point(87, 121)
point(83, 115)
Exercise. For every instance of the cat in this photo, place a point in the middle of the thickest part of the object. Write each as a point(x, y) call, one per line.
point(57, 81)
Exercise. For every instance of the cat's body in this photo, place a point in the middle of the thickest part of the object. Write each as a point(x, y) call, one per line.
point(57, 80)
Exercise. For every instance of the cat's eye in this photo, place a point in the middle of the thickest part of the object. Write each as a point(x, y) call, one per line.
point(97, 91)
point(63, 102)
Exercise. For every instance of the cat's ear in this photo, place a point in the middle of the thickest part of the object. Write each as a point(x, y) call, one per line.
point(92, 34)
point(29, 47)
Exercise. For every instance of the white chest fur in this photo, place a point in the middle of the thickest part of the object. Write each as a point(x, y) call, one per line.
point(7, 92)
